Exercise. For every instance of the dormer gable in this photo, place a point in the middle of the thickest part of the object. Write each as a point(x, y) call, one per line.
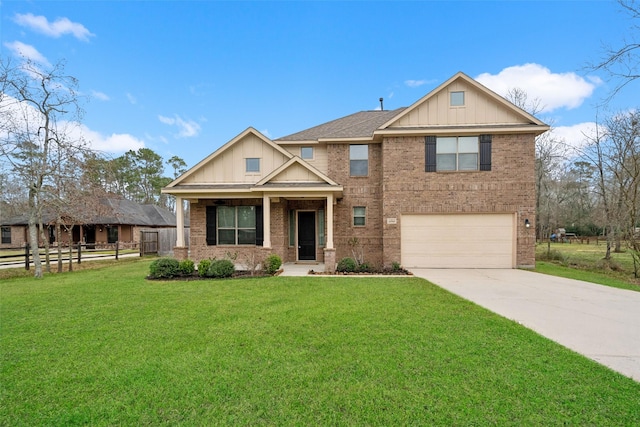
point(462, 102)
point(229, 163)
point(296, 171)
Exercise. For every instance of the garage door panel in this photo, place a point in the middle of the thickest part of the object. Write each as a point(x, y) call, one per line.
point(457, 241)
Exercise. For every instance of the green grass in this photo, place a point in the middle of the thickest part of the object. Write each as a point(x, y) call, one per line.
point(586, 262)
point(106, 347)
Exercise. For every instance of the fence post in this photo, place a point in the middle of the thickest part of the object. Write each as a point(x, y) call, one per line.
point(79, 252)
point(117, 246)
point(142, 243)
point(26, 256)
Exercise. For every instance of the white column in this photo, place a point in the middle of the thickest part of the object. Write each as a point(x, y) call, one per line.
point(179, 222)
point(329, 221)
point(266, 216)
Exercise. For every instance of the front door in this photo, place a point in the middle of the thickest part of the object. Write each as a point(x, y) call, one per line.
point(306, 236)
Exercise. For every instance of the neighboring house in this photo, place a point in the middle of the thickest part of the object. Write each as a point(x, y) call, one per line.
point(446, 182)
point(114, 220)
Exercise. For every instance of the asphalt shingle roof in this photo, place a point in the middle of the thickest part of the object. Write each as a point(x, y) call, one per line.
point(356, 125)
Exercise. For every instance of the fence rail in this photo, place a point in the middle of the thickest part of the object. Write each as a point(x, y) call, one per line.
point(78, 252)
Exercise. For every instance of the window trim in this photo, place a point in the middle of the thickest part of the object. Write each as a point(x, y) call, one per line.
point(352, 159)
point(458, 153)
point(236, 226)
point(451, 100)
point(363, 216)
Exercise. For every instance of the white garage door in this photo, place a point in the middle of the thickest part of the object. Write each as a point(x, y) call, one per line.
point(457, 241)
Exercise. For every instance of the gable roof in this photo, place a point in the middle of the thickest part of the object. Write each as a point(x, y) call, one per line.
point(523, 118)
point(203, 163)
point(297, 162)
point(114, 211)
point(358, 125)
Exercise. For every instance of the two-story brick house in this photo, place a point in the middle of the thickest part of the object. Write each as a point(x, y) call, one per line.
point(446, 182)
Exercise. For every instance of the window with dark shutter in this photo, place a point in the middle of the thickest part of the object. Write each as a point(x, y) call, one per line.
point(430, 154)
point(485, 152)
point(211, 225)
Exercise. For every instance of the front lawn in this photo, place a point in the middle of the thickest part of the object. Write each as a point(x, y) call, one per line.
point(106, 347)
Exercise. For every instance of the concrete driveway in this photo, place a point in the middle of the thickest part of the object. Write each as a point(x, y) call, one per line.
point(597, 321)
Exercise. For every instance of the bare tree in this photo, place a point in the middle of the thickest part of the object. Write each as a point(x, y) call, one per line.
point(38, 107)
point(622, 63)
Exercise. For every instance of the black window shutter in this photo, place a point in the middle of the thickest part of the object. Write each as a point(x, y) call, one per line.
point(485, 152)
point(259, 226)
point(430, 154)
point(211, 225)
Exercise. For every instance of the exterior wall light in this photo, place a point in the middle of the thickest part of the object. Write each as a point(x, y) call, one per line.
point(527, 224)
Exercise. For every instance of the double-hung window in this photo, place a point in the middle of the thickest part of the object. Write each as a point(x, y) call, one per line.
point(236, 225)
point(457, 153)
point(359, 216)
point(359, 160)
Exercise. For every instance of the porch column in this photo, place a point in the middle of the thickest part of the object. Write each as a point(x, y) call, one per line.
point(266, 221)
point(329, 244)
point(179, 222)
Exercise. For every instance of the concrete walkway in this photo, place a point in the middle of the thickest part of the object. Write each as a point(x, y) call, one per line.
point(300, 269)
point(599, 322)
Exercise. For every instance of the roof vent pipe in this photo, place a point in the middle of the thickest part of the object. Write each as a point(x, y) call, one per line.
point(381, 104)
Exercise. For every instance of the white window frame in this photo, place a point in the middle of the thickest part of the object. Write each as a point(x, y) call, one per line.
point(460, 141)
point(457, 98)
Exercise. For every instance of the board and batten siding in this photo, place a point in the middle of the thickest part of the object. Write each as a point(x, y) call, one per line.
point(479, 109)
point(229, 166)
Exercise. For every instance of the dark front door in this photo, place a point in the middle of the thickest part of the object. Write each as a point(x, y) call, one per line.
point(306, 236)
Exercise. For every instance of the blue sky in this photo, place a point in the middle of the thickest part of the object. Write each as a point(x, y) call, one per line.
point(183, 78)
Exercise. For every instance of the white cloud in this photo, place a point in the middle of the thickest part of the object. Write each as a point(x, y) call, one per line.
point(576, 136)
point(57, 28)
point(115, 143)
point(100, 95)
point(21, 114)
point(27, 51)
point(186, 129)
point(555, 90)
point(132, 99)
point(266, 133)
point(415, 83)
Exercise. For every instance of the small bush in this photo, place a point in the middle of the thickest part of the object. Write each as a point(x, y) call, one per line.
point(221, 268)
point(365, 268)
point(203, 267)
point(164, 268)
point(395, 266)
point(347, 265)
point(552, 255)
point(272, 264)
point(187, 267)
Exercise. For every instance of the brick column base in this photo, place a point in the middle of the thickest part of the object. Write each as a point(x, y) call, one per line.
point(180, 253)
point(330, 260)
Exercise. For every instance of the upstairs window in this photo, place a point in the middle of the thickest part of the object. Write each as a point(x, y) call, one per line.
point(458, 153)
point(456, 99)
point(306, 153)
point(252, 165)
point(359, 160)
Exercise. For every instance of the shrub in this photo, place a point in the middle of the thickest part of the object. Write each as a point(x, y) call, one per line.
point(164, 268)
point(395, 266)
point(347, 265)
point(203, 267)
point(272, 263)
point(365, 268)
point(187, 267)
point(221, 268)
